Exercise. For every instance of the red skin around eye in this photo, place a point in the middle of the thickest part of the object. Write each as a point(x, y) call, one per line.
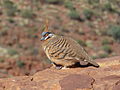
point(46, 35)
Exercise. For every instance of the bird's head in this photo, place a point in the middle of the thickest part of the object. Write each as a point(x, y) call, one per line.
point(46, 36)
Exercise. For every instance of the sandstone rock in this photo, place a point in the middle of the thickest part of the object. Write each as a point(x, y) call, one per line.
point(107, 77)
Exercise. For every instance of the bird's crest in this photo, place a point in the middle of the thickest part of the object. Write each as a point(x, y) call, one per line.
point(45, 27)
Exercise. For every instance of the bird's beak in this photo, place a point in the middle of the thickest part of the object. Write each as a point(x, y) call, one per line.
point(43, 38)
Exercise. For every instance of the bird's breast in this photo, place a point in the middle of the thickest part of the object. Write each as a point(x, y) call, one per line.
point(46, 51)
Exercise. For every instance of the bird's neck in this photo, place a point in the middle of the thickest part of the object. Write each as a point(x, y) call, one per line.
point(48, 41)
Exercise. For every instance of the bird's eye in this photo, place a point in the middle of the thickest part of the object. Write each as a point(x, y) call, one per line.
point(46, 35)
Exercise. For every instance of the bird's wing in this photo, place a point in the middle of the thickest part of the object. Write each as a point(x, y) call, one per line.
point(81, 53)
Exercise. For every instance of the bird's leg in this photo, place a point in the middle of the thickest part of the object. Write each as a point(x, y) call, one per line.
point(65, 67)
point(58, 67)
point(54, 65)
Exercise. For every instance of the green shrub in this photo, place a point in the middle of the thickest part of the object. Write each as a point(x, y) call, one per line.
point(88, 13)
point(3, 32)
point(20, 63)
point(89, 43)
point(103, 55)
point(54, 1)
point(74, 15)
point(20, 45)
point(107, 48)
point(94, 57)
point(111, 6)
point(81, 42)
point(115, 32)
point(80, 31)
point(105, 42)
point(10, 7)
point(1, 60)
point(93, 1)
point(12, 52)
point(69, 5)
point(11, 20)
point(27, 13)
point(108, 7)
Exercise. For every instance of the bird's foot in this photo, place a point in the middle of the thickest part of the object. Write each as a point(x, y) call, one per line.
point(65, 67)
point(58, 67)
point(61, 67)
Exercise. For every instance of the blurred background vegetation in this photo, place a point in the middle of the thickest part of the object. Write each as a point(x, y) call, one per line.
point(95, 24)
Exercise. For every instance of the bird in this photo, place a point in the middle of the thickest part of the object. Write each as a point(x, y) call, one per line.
point(64, 52)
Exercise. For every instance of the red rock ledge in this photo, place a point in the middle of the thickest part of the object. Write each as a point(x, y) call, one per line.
point(107, 77)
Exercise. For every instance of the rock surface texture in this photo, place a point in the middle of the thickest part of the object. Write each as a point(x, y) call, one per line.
point(107, 77)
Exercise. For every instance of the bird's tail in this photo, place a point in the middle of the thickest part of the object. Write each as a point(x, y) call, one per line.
point(93, 63)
